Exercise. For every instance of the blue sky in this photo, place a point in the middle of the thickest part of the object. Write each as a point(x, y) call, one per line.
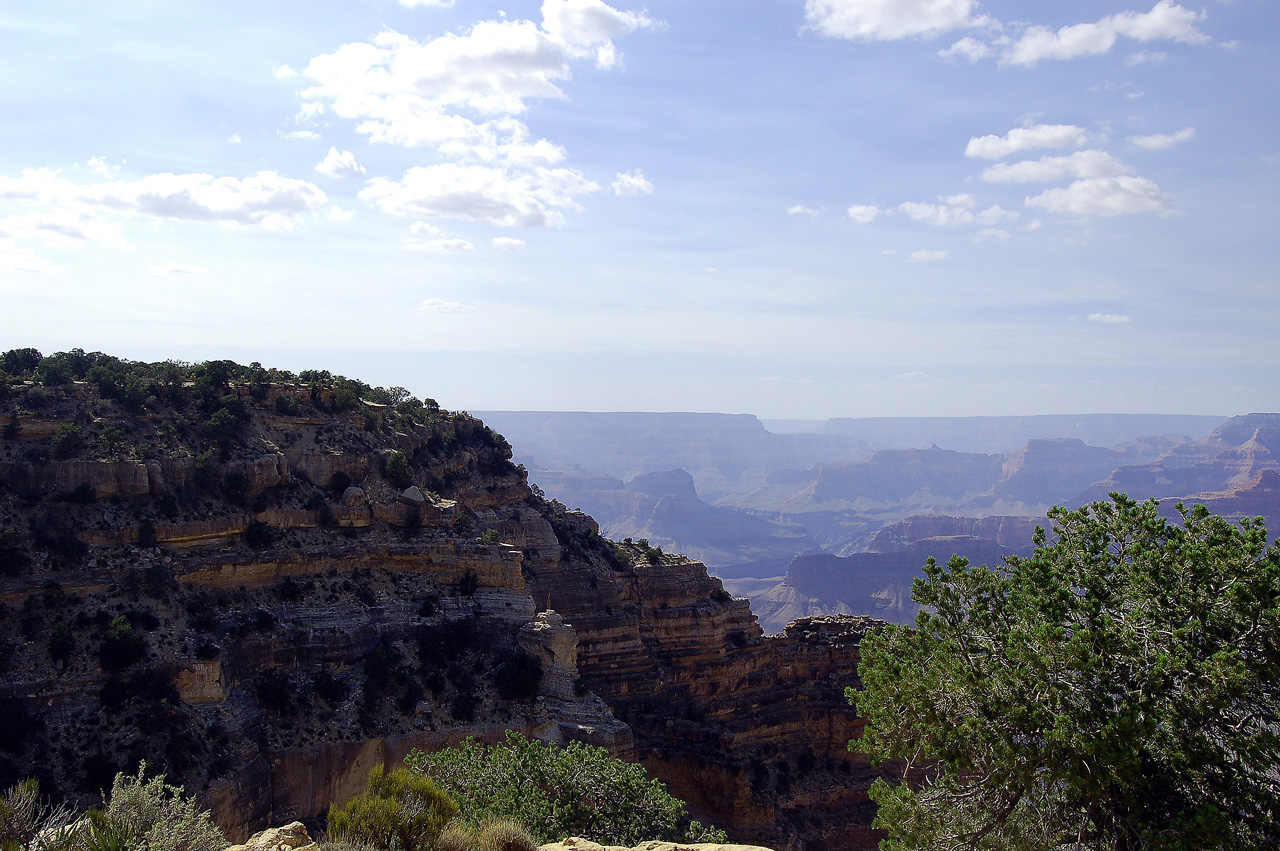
point(797, 210)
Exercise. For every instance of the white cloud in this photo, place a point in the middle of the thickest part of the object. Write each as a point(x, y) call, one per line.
point(265, 199)
point(864, 214)
point(234, 139)
point(888, 20)
point(337, 214)
point(1090, 163)
point(455, 246)
point(968, 48)
point(459, 94)
point(506, 243)
point(176, 269)
point(1025, 139)
point(100, 166)
point(587, 27)
point(302, 136)
point(340, 164)
point(631, 183)
point(802, 210)
point(1163, 141)
point(990, 235)
point(484, 194)
point(1143, 57)
point(284, 72)
point(440, 4)
point(927, 255)
point(1104, 196)
point(423, 229)
point(1167, 21)
point(1109, 318)
point(439, 305)
point(955, 211)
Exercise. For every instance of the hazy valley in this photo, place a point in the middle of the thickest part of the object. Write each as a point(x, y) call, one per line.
point(838, 516)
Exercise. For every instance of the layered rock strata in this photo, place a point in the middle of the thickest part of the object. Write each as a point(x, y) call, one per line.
point(269, 618)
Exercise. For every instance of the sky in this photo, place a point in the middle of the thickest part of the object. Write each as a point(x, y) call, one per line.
point(800, 210)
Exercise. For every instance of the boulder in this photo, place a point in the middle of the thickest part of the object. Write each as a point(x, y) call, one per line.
point(291, 837)
point(574, 843)
point(353, 496)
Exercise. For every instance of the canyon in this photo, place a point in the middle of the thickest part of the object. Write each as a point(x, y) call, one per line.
point(267, 612)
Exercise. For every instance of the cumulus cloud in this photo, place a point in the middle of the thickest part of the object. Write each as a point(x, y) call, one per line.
point(461, 95)
point(928, 255)
point(968, 48)
point(588, 27)
point(1080, 164)
point(439, 305)
point(176, 269)
point(864, 214)
point(1104, 196)
point(265, 199)
point(1167, 21)
point(889, 20)
point(302, 136)
point(955, 211)
point(337, 214)
point(1109, 318)
point(340, 164)
point(478, 193)
point(802, 210)
point(631, 183)
point(1025, 139)
point(506, 243)
point(1163, 141)
point(284, 72)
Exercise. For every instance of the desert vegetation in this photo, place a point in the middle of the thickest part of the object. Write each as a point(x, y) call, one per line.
point(1118, 689)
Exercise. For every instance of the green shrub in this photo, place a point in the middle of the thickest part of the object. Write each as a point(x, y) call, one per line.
point(122, 646)
point(26, 822)
point(158, 817)
point(491, 536)
point(397, 469)
point(577, 790)
point(67, 441)
point(111, 442)
point(400, 811)
point(653, 555)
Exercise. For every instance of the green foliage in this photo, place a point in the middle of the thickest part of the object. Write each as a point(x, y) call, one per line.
point(111, 442)
point(578, 790)
point(490, 536)
point(400, 811)
point(397, 469)
point(463, 523)
point(67, 441)
point(653, 555)
point(122, 646)
point(1116, 690)
point(158, 817)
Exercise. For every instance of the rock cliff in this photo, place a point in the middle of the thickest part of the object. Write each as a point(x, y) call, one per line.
point(267, 603)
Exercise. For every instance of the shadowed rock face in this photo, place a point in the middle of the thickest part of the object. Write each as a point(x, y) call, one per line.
point(249, 626)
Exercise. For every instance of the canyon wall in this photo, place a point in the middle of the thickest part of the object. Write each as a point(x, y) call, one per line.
point(265, 617)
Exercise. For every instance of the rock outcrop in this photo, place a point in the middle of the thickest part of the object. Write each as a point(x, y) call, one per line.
point(577, 844)
point(251, 625)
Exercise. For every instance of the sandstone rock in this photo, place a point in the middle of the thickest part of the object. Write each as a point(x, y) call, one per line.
point(353, 496)
point(574, 843)
point(201, 682)
point(555, 644)
point(291, 837)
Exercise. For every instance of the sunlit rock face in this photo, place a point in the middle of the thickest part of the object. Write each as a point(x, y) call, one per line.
point(242, 619)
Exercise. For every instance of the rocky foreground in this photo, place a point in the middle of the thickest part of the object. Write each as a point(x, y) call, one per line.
point(293, 837)
point(267, 612)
